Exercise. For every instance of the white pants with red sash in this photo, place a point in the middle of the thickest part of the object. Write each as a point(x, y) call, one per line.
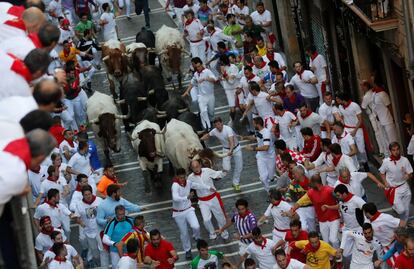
point(400, 197)
point(278, 234)
point(213, 204)
point(360, 143)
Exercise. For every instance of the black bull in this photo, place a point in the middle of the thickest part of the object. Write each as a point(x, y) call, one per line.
point(148, 38)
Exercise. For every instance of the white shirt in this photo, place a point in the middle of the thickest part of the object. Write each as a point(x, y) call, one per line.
point(279, 59)
point(346, 141)
point(410, 148)
point(224, 136)
point(8, 106)
point(193, 29)
point(348, 209)
point(127, 262)
point(380, 103)
point(180, 194)
point(347, 162)
point(43, 241)
point(286, 132)
point(71, 149)
point(259, 19)
point(71, 253)
point(264, 107)
point(205, 88)
point(263, 255)
point(109, 30)
point(55, 7)
point(8, 29)
point(47, 184)
point(244, 83)
point(56, 214)
point(54, 264)
point(293, 264)
point(13, 176)
point(233, 71)
point(237, 11)
point(25, 45)
point(350, 114)
point(36, 179)
point(384, 226)
point(307, 90)
point(80, 163)
point(313, 121)
point(362, 250)
point(261, 72)
point(87, 213)
point(205, 179)
point(264, 137)
point(326, 112)
point(325, 159)
point(279, 222)
point(319, 65)
point(394, 172)
point(218, 36)
point(355, 184)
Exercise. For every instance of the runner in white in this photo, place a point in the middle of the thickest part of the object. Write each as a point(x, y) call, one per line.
point(326, 111)
point(229, 80)
point(287, 122)
point(346, 140)
point(194, 32)
point(107, 21)
point(209, 201)
point(283, 262)
point(317, 64)
point(396, 170)
point(231, 147)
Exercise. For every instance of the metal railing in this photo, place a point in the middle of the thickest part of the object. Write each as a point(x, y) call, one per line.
point(375, 9)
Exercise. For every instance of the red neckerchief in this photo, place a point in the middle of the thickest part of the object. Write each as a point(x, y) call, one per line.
point(89, 203)
point(375, 216)
point(70, 142)
point(277, 203)
point(263, 245)
point(314, 55)
point(113, 179)
point(198, 174)
point(20, 68)
point(245, 214)
point(16, 23)
point(138, 230)
point(346, 104)
point(300, 73)
point(348, 197)
point(16, 11)
point(335, 160)
point(60, 259)
point(395, 159)
point(341, 179)
point(54, 179)
point(66, 54)
point(199, 72)
point(304, 183)
point(37, 171)
point(263, 64)
point(43, 231)
point(249, 78)
point(270, 56)
point(309, 248)
point(35, 39)
point(189, 21)
point(339, 137)
point(176, 180)
point(377, 89)
point(292, 99)
point(51, 205)
point(20, 148)
point(78, 187)
point(308, 113)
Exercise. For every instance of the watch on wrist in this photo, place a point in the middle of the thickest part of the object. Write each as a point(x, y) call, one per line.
point(114, 244)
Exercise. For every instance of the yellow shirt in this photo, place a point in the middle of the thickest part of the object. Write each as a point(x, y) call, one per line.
point(261, 51)
point(71, 56)
point(320, 258)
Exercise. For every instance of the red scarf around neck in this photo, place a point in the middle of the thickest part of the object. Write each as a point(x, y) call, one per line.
point(47, 232)
point(131, 255)
point(189, 21)
point(20, 68)
point(198, 174)
point(309, 248)
point(377, 89)
point(263, 244)
point(60, 259)
point(339, 137)
point(300, 73)
point(16, 23)
point(348, 197)
point(270, 56)
point(314, 55)
point(51, 205)
point(308, 113)
point(395, 159)
point(35, 39)
point(245, 214)
point(342, 180)
point(37, 170)
point(199, 72)
point(89, 203)
point(335, 160)
point(346, 104)
point(20, 148)
point(70, 142)
point(375, 216)
point(262, 65)
point(78, 187)
point(277, 203)
point(292, 98)
point(249, 78)
point(176, 180)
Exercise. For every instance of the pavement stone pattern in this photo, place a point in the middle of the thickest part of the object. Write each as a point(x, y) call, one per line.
point(158, 205)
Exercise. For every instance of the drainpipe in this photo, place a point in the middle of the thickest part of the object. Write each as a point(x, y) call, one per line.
point(409, 39)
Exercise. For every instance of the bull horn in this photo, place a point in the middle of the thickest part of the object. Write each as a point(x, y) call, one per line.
point(95, 121)
point(182, 110)
point(161, 112)
point(120, 102)
point(124, 54)
point(200, 132)
point(152, 91)
point(105, 58)
point(151, 50)
point(219, 155)
point(161, 116)
point(142, 98)
point(122, 117)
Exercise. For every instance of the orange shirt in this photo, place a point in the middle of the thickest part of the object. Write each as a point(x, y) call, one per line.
point(104, 183)
point(71, 56)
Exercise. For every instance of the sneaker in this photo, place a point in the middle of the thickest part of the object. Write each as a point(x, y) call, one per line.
point(188, 255)
point(213, 236)
point(225, 235)
point(236, 187)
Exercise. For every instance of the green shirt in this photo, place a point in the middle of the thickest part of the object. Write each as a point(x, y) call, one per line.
point(81, 26)
point(234, 28)
point(211, 263)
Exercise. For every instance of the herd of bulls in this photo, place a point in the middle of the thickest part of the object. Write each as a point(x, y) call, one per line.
point(158, 122)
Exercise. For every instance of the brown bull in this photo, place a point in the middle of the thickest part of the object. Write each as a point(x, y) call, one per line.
point(171, 59)
point(116, 61)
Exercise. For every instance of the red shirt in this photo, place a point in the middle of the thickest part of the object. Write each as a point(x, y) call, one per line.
point(161, 253)
point(323, 197)
point(312, 148)
point(403, 261)
point(57, 132)
point(297, 253)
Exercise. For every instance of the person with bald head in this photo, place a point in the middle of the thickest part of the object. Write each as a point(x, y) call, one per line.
point(30, 22)
point(47, 94)
point(260, 67)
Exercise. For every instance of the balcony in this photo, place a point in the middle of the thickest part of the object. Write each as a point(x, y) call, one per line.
point(377, 14)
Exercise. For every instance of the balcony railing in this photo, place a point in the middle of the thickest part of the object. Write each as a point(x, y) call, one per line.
point(377, 14)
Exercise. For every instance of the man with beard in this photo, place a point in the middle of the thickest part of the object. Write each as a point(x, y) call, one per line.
point(160, 253)
point(363, 248)
point(43, 240)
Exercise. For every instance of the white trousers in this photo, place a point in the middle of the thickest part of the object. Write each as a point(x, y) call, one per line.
point(114, 259)
point(242, 248)
point(266, 167)
point(379, 134)
point(209, 208)
point(237, 157)
point(389, 132)
point(360, 143)
point(68, 118)
point(194, 99)
point(231, 97)
point(402, 201)
point(126, 3)
point(179, 12)
point(95, 247)
point(183, 219)
point(307, 217)
point(198, 49)
point(277, 235)
point(361, 266)
point(329, 231)
point(206, 106)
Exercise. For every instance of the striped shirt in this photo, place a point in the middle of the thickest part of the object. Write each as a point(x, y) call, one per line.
point(244, 225)
point(142, 236)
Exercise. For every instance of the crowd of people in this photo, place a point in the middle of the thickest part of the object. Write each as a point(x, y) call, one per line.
point(310, 143)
